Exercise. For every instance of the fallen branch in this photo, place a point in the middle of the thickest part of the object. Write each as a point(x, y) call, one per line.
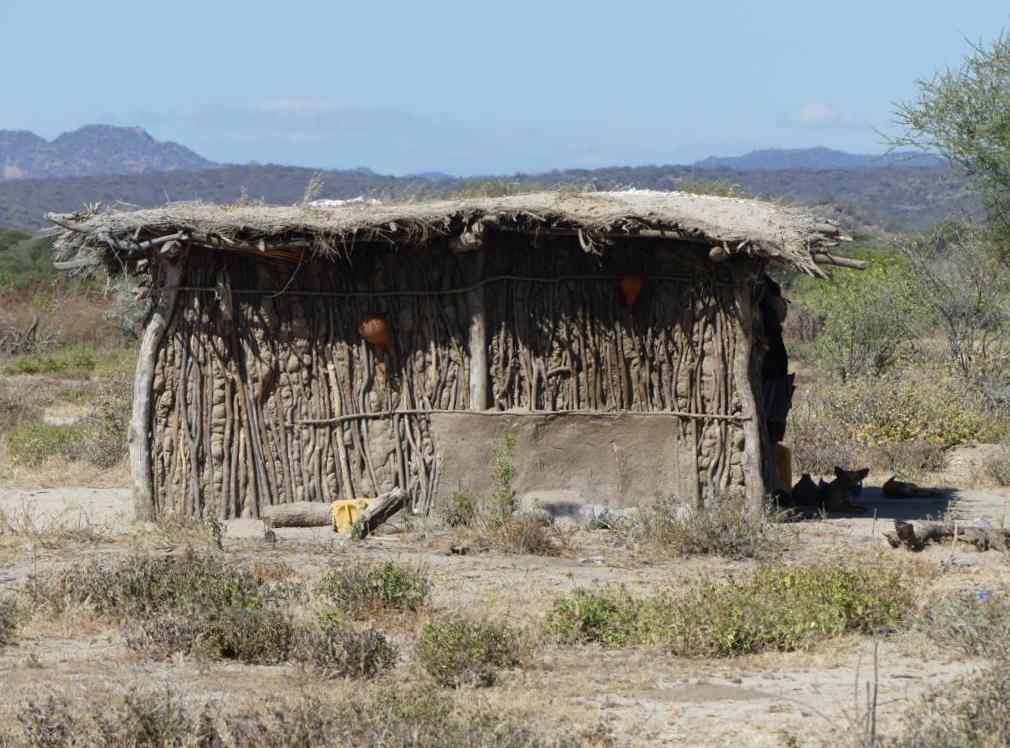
point(379, 512)
point(298, 514)
point(915, 538)
point(823, 258)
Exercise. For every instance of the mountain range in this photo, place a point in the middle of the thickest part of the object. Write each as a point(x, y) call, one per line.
point(91, 151)
point(98, 150)
point(870, 194)
point(819, 158)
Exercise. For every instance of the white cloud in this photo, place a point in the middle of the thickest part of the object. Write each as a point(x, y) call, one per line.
point(819, 114)
point(292, 106)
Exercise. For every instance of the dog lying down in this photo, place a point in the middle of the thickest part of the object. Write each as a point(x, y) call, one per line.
point(900, 489)
point(836, 496)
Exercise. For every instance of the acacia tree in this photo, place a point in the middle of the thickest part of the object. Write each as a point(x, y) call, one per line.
point(962, 285)
point(964, 114)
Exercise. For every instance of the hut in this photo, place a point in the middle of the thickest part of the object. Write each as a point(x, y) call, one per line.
point(320, 352)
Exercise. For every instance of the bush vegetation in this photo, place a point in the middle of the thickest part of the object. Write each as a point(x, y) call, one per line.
point(361, 588)
point(204, 606)
point(333, 649)
point(497, 519)
point(774, 608)
point(723, 526)
point(457, 651)
point(10, 619)
point(388, 717)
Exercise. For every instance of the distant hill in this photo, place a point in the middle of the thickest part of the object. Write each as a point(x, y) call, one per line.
point(774, 159)
point(871, 201)
point(91, 151)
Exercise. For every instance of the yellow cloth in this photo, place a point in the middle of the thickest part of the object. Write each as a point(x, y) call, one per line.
point(346, 511)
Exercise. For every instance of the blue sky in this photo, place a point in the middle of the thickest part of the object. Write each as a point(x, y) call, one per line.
point(478, 87)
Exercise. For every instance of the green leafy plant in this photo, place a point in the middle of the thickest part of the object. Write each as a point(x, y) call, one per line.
point(503, 465)
point(457, 651)
point(608, 616)
point(460, 509)
point(775, 608)
point(10, 619)
point(33, 442)
point(359, 588)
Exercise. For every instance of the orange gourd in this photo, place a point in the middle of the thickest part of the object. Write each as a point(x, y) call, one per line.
point(631, 286)
point(375, 330)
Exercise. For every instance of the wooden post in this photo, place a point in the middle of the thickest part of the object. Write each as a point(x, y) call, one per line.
point(470, 247)
point(754, 461)
point(139, 434)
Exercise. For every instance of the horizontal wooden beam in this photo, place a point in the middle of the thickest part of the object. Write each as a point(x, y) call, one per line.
point(823, 258)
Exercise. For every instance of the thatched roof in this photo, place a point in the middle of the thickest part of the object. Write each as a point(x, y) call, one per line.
point(785, 234)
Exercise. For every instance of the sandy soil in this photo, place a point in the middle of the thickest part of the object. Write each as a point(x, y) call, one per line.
point(644, 697)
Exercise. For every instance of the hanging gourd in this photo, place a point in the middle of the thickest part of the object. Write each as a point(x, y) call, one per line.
point(375, 330)
point(631, 286)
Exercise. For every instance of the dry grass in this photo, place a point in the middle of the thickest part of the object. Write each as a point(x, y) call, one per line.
point(74, 314)
point(997, 467)
point(27, 524)
point(391, 717)
point(56, 431)
point(724, 526)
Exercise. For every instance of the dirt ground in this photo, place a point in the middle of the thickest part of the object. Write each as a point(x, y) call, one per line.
point(641, 695)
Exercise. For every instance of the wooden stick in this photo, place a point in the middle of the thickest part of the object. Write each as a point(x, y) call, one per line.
point(519, 413)
point(378, 512)
point(139, 435)
point(345, 471)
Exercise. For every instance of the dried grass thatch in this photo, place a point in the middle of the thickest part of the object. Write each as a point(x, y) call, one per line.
point(732, 226)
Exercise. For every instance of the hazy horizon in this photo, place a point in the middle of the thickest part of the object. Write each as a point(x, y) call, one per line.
point(456, 88)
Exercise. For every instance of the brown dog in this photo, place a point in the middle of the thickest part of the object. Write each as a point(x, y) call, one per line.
point(837, 495)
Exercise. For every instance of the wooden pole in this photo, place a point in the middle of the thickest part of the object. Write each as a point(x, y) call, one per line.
point(139, 434)
point(470, 249)
point(755, 462)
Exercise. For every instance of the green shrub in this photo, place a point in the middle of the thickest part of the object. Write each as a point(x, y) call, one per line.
point(456, 651)
point(33, 442)
point(502, 503)
point(460, 509)
point(10, 619)
point(79, 359)
point(830, 425)
point(359, 588)
point(866, 320)
point(138, 586)
point(333, 649)
point(775, 608)
point(782, 608)
point(606, 616)
point(390, 717)
point(263, 636)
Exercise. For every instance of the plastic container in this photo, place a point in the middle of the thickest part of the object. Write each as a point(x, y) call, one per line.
point(346, 512)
